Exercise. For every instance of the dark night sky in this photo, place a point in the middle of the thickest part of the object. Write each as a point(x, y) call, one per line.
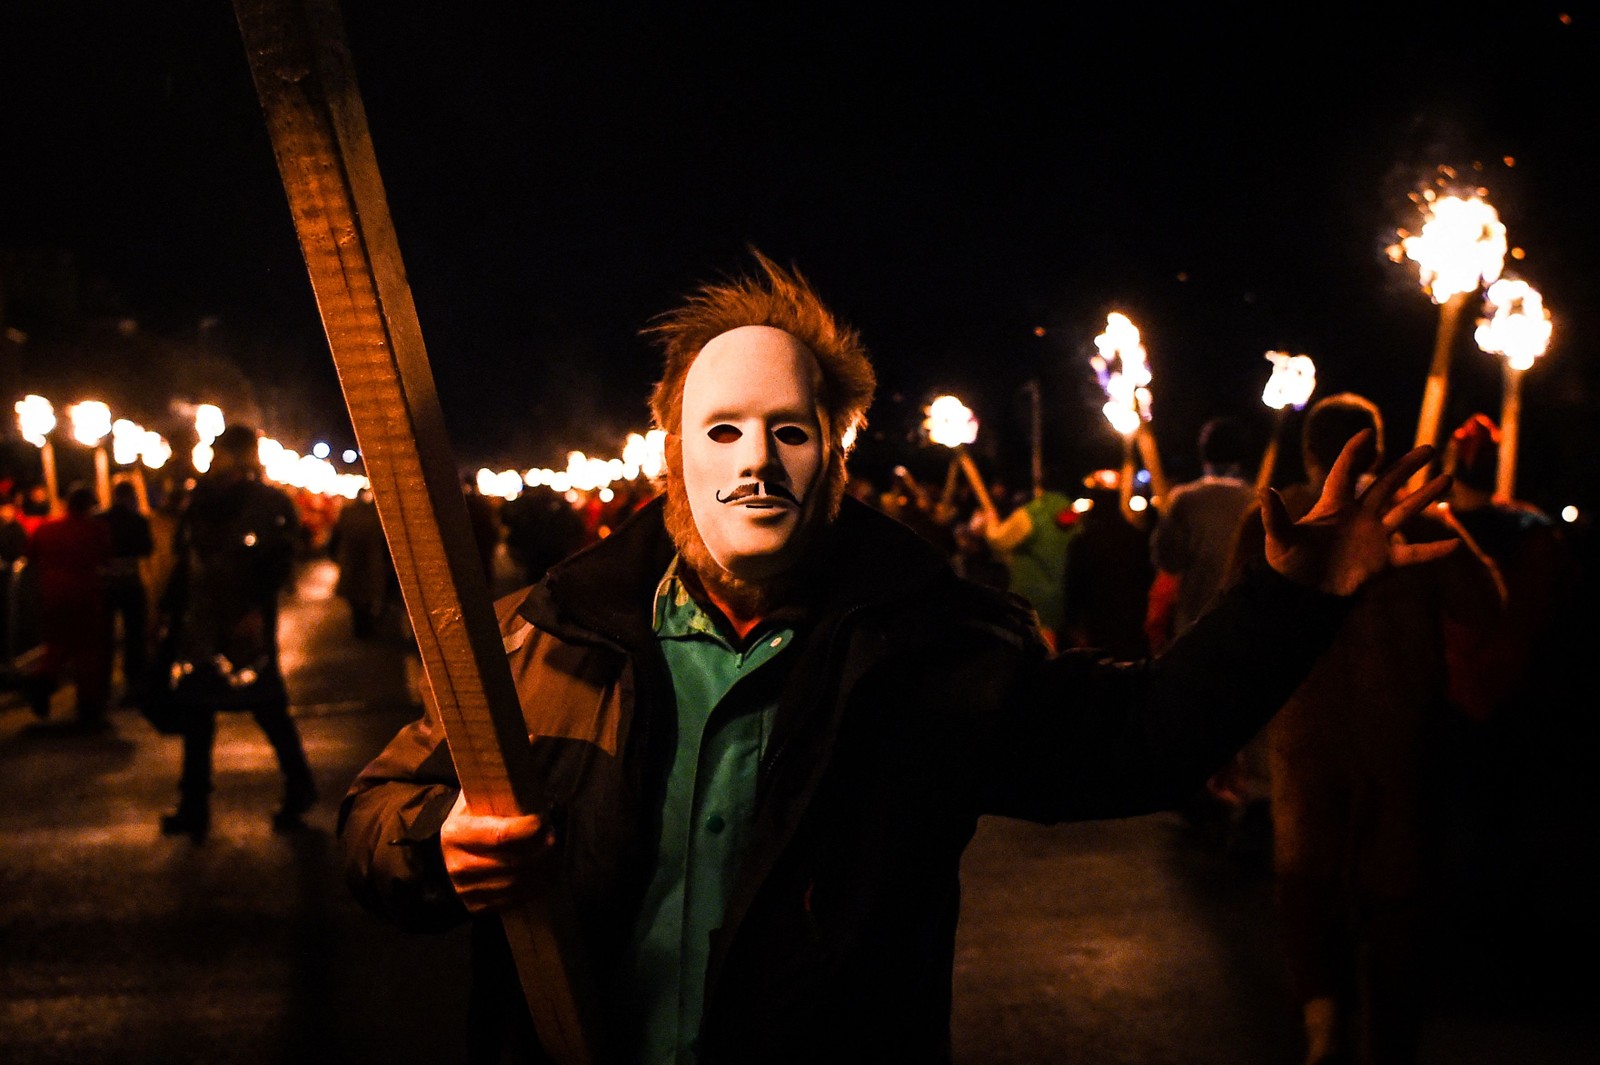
point(952, 183)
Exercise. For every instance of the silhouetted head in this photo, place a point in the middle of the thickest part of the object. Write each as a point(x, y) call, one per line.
point(81, 500)
point(1330, 424)
point(1223, 446)
point(1473, 455)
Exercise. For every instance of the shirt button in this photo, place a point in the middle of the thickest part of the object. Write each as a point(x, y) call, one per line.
point(715, 824)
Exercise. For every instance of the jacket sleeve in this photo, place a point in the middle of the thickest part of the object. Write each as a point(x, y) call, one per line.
point(389, 830)
point(1083, 737)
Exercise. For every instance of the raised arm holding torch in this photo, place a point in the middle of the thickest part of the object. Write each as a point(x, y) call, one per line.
point(951, 424)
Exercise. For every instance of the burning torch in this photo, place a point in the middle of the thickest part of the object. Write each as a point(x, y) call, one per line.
point(1462, 246)
point(1518, 327)
point(35, 419)
point(950, 423)
point(91, 423)
point(1294, 378)
point(1124, 373)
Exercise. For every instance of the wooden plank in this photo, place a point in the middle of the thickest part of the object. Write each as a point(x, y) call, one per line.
point(306, 82)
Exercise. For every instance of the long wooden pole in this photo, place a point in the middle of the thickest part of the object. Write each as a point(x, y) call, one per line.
point(1505, 474)
point(306, 81)
point(1437, 388)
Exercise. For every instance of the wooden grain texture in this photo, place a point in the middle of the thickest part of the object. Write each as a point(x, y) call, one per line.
point(305, 79)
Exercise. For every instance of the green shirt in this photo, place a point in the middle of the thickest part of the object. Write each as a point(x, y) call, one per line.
point(705, 826)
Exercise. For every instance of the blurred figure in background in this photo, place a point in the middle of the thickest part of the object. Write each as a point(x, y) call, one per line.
point(367, 580)
point(71, 552)
point(1105, 582)
point(1348, 761)
point(1189, 546)
point(1195, 530)
point(237, 544)
point(542, 528)
point(132, 543)
point(1031, 540)
point(1511, 684)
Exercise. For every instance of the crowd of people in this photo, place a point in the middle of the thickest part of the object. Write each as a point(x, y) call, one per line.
point(1370, 772)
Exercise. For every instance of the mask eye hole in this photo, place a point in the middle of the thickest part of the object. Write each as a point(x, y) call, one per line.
point(723, 434)
point(792, 435)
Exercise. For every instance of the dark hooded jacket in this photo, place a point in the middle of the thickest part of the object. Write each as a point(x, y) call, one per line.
point(914, 703)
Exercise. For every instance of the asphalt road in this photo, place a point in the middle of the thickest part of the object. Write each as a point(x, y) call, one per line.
point(1140, 942)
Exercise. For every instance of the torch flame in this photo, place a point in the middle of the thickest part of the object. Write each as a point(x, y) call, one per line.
point(950, 423)
point(208, 422)
point(1462, 245)
point(35, 417)
point(91, 421)
point(1124, 374)
point(1294, 378)
point(1518, 325)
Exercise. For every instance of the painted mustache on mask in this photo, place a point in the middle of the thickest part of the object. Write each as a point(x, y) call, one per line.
point(755, 489)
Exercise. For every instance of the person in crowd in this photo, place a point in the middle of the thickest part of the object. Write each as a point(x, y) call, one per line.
point(367, 580)
point(1032, 541)
point(766, 720)
point(1348, 767)
point(1195, 528)
point(71, 552)
point(1105, 579)
point(132, 544)
point(236, 548)
point(542, 528)
point(13, 545)
point(1189, 544)
point(1511, 684)
point(484, 516)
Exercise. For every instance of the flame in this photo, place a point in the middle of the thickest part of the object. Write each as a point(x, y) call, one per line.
point(1124, 374)
point(35, 418)
point(91, 421)
point(154, 451)
point(208, 424)
point(1294, 378)
point(127, 441)
point(1462, 245)
point(950, 423)
point(1518, 325)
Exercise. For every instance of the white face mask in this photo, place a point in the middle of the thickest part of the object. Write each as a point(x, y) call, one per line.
point(752, 447)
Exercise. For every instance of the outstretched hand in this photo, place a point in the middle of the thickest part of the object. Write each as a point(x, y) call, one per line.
point(1347, 537)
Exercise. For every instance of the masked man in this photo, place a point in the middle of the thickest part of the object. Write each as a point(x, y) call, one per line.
point(767, 719)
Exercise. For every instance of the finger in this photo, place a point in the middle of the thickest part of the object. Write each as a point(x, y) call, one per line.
point(1412, 554)
point(1274, 515)
point(1417, 502)
point(1342, 476)
point(1388, 483)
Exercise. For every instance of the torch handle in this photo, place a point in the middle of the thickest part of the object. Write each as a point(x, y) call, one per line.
point(985, 503)
point(305, 78)
point(1436, 390)
point(1505, 474)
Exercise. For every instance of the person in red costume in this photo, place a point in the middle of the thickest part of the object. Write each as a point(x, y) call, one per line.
point(72, 552)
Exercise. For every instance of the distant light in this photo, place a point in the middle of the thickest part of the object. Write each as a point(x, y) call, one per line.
point(1137, 503)
point(350, 454)
point(1143, 476)
point(1569, 514)
point(321, 450)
